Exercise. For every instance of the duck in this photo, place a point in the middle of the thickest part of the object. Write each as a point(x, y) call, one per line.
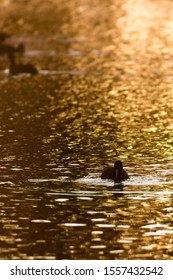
point(4, 36)
point(116, 172)
point(9, 49)
point(16, 69)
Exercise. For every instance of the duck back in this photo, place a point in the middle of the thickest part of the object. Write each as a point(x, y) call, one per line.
point(108, 173)
point(23, 68)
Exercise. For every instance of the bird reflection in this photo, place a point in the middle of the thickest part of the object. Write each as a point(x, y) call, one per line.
point(4, 36)
point(118, 187)
point(119, 190)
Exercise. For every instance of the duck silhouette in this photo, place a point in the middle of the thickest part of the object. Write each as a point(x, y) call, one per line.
point(16, 69)
point(116, 172)
point(9, 49)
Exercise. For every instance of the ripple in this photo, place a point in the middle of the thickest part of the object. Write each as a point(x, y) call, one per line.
point(137, 180)
point(61, 199)
point(159, 232)
point(153, 226)
point(42, 180)
point(98, 246)
point(95, 232)
point(74, 225)
point(63, 72)
point(105, 225)
point(85, 198)
point(40, 221)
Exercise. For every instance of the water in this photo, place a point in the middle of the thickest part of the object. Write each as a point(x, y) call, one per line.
point(104, 91)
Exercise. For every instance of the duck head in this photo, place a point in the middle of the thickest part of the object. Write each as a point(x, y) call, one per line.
point(118, 168)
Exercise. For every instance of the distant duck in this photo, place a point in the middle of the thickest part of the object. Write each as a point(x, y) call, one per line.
point(9, 49)
point(4, 36)
point(116, 172)
point(16, 69)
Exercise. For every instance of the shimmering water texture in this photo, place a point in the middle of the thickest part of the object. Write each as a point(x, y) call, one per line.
point(103, 91)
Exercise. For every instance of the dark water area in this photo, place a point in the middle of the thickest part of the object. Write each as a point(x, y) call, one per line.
point(103, 91)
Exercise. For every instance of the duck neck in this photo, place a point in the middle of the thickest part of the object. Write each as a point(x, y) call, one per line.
point(118, 172)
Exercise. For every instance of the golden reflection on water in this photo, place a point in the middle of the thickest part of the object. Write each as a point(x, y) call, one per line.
point(104, 92)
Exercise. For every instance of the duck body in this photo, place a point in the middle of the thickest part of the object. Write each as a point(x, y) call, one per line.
point(116, 172)
point(23, 68)
point(16, 69)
